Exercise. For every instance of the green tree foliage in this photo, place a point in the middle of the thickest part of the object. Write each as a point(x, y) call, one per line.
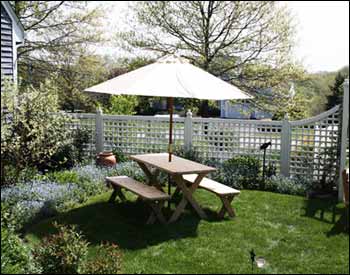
point(245, 42)
point(75, 76)
point(53, 27)
point(58, 34)
point(122, 105)
point(337, 90)
point(32, 130)
point(294, 107)
point(316, 88)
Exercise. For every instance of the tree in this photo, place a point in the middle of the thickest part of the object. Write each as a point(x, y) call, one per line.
point(75, 76)
point(53, 29)
point(337, 91)
point(245, 42)
point(294, 107)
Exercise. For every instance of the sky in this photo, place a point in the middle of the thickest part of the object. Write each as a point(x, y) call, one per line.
point(322, 41)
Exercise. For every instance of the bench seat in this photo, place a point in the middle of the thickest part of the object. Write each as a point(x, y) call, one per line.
point(154, 197)
point(140, 189)
point(224, 192)
point(212, 186)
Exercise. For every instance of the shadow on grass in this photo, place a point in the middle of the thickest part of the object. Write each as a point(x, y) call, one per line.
point(123, 224)
point(329, 211)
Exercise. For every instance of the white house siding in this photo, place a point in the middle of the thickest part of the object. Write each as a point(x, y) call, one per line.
point(12, 36)
point(7, 55)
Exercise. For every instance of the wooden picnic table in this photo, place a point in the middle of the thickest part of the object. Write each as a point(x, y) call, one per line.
point(152, 164)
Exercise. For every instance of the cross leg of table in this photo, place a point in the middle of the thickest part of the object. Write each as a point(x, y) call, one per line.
point(187, 197)
point(152, 176)
point(226, 206)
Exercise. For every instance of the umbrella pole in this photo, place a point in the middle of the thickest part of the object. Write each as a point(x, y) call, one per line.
point(170, 148)
point(171, 110)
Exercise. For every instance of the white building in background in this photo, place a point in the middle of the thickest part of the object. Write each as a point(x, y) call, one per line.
point(12, 37)
point(246, 109)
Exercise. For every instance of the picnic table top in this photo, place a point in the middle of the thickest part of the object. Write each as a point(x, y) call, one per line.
point(177, 165)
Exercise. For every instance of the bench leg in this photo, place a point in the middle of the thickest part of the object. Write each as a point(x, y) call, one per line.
point(116, 192)
point(156, 213)
point(226, 207)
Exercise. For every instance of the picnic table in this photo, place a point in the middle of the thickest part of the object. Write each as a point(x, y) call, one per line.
point(152, 164)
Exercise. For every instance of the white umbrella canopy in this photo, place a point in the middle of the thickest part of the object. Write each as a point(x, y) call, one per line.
point(170, 77)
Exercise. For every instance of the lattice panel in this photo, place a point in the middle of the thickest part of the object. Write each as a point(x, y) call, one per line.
point(222, 139)
point(138, 135)
point(87, 122)
point(315, 147)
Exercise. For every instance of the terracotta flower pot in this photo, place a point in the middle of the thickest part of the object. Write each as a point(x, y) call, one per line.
point(106, 159)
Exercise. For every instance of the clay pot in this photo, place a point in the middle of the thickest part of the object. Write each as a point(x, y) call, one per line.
point(106, 159)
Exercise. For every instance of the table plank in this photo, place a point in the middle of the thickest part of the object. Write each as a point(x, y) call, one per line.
point(178, 165)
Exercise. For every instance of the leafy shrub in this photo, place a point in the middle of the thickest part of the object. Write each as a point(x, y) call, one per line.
point(16, 256)
point(32, 130)
point(65, 176)
point(11, 175)
point(107, 260)
point(284, 185)
point(62, 253)
point(242, 172)
point(191, 154)
point(130, 169)
point(70, 154)
point(119, 154)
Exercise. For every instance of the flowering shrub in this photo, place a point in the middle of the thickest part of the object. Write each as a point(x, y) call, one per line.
point(62, 253)
point(36, 200)
point(16, 256)
point(284, 185)
point(31, 128)
point(97, 174)
point(107, 260)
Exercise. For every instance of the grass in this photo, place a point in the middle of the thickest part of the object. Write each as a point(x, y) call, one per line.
point(293, 235)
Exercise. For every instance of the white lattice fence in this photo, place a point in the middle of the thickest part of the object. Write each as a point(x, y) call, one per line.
point(315, 146)
point(86, 122)
point(307, 147)
point(222, 139)
point(140, 134)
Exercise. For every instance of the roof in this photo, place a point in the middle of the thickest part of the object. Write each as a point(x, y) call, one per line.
point(13, 16)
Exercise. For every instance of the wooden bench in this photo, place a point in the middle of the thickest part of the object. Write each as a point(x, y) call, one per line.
point(151, 195)
point(224, 192)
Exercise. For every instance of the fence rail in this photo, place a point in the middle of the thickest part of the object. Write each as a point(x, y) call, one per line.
point(313, 147)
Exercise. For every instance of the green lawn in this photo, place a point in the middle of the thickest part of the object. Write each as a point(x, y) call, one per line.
point(286, 230)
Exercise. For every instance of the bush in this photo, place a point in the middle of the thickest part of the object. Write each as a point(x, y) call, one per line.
point(242, 172)
point(119, 154)
point(62, 253)
point(191, 154)
point(284, 185)
point(16, 257)
point(31, 128)
point(11, 175)
point(70, 154)
point(107, 260)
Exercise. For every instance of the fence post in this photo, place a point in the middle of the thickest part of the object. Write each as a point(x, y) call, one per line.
point(285, 147)
point(344, 137)
point(188, 130)
point(99, 130)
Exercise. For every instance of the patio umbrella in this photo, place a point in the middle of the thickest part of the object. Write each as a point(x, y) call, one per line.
point(170, 77)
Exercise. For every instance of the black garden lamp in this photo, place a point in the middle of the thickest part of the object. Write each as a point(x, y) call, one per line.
point(264, 147)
